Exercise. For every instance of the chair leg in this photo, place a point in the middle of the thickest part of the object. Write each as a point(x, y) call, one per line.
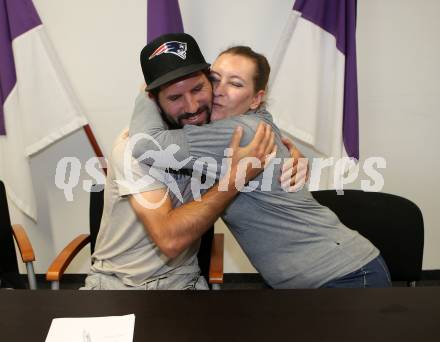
point(55, 285)
point(216, 287)
point(412, 284)
point(31, 276)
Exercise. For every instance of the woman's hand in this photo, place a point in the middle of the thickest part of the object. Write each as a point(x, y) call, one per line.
point(295, 171)
point(247, 162)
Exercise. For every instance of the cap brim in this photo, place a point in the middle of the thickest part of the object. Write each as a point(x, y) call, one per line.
point(177, 73)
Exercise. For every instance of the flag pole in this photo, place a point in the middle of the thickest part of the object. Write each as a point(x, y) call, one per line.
point(95, 146)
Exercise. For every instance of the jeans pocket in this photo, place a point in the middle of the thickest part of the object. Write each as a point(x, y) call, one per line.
point(384, 266)
point(356, 279)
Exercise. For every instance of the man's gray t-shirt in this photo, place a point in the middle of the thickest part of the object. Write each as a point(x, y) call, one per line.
point(292, 240)
point(123, 246)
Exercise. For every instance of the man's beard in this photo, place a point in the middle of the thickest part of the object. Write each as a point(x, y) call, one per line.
point(173, 124)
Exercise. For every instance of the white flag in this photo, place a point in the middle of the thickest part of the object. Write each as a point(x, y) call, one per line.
point(38, 106)
point(313, 89)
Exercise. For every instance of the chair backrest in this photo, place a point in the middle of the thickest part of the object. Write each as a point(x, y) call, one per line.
point(392, 223)
point(204, 254)
point(96, 208)
point(95, 214)
point(9, 274)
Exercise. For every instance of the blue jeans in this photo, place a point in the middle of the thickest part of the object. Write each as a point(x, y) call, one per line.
point(373, 274)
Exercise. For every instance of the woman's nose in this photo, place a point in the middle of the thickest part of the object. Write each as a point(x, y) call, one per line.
point(218, 89)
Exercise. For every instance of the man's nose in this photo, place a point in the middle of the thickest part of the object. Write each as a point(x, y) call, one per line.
point(191, 104)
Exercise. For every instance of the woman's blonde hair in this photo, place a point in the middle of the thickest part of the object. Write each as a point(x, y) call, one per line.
point(262, 67)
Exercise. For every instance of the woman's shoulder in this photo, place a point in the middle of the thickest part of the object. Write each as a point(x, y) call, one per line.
point(253, 118)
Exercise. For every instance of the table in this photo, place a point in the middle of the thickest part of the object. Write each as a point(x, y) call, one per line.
point(396, 314)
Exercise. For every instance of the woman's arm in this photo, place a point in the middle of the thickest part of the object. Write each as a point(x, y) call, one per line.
point(152, 141)
point(148, 131)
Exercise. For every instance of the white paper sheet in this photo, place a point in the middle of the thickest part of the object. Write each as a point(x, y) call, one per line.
point(92, 329)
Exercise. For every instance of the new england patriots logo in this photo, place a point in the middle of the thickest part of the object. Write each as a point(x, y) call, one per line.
point(174, 47)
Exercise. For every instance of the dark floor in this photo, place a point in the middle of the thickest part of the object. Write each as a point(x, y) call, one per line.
point(233, 281)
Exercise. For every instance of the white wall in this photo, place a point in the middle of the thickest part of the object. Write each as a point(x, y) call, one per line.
point(399, 98)
point(98, 42)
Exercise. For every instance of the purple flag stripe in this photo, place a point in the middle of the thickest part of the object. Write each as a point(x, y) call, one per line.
point(163, 16)
point(16, 18)
point(338, 17)
point(7, 65)
point(329, 15)
point(351, 108)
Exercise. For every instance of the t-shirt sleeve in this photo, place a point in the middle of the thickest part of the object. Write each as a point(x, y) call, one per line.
point(131, 176)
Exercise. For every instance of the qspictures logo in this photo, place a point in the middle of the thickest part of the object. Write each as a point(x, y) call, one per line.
point(161, 166)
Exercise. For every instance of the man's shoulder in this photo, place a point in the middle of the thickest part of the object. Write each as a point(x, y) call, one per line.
point(131, 175)
point(122, 153)
point(119, 146)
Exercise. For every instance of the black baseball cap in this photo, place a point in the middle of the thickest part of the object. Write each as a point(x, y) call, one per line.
point(170, 57)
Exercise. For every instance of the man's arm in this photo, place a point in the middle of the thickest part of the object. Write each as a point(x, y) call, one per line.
point(175, 229)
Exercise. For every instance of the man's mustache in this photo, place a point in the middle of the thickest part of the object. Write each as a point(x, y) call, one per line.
point(185, 116)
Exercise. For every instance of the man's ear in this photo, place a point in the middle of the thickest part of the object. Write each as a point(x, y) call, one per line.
point(258, 98)
point(151, 96)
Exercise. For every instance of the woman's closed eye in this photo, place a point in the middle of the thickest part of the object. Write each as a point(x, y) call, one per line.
point(237, 84)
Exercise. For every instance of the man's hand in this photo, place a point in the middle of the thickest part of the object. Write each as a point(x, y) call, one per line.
point(249, 161)
point(295, 171)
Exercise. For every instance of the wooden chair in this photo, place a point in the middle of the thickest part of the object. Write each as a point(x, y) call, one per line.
point(392, 223)
point(210, 254)
point(9, 275)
